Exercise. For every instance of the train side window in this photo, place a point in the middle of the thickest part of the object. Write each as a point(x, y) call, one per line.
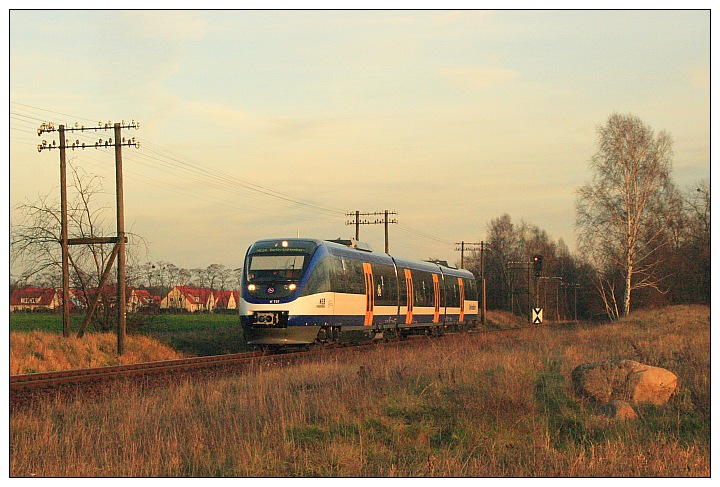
point(452, 292)
point(319, 280)
point(402, 287)
point(471, 293)
point(424, 288)
point(385, 285)
point(347, 276)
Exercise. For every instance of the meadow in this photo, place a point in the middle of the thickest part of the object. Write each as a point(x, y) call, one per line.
point(474, 405)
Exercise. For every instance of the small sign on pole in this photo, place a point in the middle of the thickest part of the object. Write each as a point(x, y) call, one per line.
point(537, 316)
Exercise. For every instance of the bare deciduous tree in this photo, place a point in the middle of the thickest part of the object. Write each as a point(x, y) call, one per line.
point(35, 237)
point(626, 213)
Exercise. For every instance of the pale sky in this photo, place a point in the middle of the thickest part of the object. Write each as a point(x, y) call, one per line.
point(257, 124)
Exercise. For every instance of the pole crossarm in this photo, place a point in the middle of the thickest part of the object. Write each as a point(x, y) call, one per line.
point(49, 127)
point(385, 220)
point(94, 240)
point(377, 221)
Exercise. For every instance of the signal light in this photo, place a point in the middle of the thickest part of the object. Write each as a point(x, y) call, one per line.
point(537, 264)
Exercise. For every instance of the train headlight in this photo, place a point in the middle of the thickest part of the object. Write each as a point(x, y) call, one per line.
point(251, 287)
point(292, 287)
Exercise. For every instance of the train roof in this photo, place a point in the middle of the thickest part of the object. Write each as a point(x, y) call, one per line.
point(352, 248)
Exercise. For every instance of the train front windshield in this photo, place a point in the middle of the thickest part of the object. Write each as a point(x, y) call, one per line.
point(273, 269)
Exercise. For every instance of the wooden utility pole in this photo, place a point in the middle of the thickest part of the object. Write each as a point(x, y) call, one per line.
point(470, 246)
point(483, 246)
point(119, 240)
point(385, 220)
point(121, 302)
point(64, 235)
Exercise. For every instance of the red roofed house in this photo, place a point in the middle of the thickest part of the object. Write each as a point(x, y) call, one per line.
point(189, 298)
point(35, 299)
point(141, 299)
point(226, 299)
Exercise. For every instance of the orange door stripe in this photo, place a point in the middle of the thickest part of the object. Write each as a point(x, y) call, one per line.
point(410, 296)
point(462, 298)
point(436, 290)
point(369, 293)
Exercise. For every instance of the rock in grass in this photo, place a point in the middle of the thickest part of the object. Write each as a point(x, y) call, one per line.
point(624, 380)
point(619, 410)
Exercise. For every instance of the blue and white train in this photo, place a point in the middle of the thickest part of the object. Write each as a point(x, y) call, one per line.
point(302, 291)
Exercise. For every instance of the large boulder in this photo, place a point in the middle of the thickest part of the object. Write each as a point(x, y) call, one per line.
point(624, 380)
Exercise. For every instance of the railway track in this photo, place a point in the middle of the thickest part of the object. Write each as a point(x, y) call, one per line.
point(28, 388)
point(75, 376)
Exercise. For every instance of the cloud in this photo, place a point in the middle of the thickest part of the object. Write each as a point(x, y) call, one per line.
point(169, 25)
point(479, 78)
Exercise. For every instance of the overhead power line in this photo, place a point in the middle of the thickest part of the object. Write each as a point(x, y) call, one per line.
point(26, 118)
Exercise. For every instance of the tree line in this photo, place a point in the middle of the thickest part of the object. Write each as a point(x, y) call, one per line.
point(641, 240)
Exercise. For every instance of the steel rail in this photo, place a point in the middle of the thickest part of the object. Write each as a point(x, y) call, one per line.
point(49, 379)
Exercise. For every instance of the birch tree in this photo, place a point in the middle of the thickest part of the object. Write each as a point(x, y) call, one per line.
point(624, 216)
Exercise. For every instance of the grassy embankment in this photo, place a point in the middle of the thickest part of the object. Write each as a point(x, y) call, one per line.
point(36, 343)
point(493, 404)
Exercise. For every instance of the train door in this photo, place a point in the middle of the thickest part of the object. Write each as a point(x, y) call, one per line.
point(369, 293)
point(436, 300)
point(410, 296)
point(461, 287)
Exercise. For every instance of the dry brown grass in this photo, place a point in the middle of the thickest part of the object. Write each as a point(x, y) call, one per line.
point(477, 405)
point(40, 351)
